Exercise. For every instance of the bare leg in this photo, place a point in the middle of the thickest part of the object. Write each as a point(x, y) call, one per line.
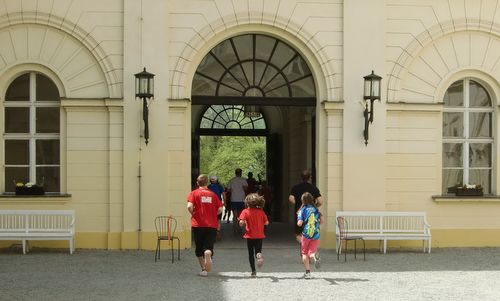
point(236, 226)
point(305, 260)
point(206, 261)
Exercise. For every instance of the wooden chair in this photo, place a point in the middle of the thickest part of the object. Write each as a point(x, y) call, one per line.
point(165, 230)
point(345, 237)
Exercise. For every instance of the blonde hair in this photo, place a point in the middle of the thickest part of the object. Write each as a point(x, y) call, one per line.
point(202, 180)
point(307, 198)
point(254, 200)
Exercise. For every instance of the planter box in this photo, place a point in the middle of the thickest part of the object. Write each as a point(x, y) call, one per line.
point(469, 192)
point(33, 190)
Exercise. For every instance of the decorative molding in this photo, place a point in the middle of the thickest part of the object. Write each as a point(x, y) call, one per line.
point(179, 103)
point(331, 106)
point(263, 22)
point(430, 43)
point(91, 102)
point(54, 23)
point(412, 106)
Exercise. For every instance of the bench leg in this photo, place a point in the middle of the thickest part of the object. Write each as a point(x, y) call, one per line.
point(385, 246)
point(355, 248)
point(71, 246)
point(24, 246)
point(339, 249)
point(345, 251)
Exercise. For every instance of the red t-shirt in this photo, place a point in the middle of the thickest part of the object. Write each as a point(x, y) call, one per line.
point(206, 203)
point(255, 219)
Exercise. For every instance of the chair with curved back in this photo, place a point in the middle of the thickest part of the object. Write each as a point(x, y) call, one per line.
point(165, 230)
point(343, 235)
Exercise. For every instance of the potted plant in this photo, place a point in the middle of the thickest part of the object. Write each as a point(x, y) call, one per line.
point(469, 190)
point(29, 189)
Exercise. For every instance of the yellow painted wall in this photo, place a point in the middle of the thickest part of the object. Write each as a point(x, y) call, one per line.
point(117, 184)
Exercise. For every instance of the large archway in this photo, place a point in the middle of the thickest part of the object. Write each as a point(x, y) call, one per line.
point(265, 80)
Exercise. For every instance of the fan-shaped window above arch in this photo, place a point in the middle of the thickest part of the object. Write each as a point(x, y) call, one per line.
point(231, 117)
point(253, 66)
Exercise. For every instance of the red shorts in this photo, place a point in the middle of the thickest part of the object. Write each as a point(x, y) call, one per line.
point(309, 246)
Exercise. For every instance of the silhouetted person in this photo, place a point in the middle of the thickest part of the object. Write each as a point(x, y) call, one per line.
point(237, 187)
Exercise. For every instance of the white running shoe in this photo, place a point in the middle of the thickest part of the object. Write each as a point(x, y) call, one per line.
point(203, 273)
point(307, 276)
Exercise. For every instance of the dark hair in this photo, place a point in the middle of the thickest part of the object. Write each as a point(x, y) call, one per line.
point(250, 174)
point(254, 200)
point(307, 198)
point(237, 171)
point(202, 180)
point(305, 175)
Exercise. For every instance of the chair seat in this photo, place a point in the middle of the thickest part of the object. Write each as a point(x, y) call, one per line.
point(167, 237)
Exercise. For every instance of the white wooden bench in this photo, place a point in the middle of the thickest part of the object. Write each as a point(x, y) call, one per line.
point(387, 225)
point(25, 225)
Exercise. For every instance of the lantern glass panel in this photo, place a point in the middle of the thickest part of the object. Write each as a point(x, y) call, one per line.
point(143, 86)
point(368, 86)
point(375, 93)
point(151, 86)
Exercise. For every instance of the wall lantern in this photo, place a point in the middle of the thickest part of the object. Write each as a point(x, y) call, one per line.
point(371, 93)
point(144, 89)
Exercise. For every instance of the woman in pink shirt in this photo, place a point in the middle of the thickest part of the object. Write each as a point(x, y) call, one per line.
point(254, 219)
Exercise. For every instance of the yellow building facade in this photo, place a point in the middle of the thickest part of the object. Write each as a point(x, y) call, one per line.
point(440, 67)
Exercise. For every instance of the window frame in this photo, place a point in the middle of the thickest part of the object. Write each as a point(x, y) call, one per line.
point(32, 136)
point(466, 140)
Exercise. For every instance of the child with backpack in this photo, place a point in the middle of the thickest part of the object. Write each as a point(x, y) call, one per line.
point(309, 217)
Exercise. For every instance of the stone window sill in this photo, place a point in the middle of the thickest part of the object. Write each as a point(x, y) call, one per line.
point(10, 198)
point(458, 199)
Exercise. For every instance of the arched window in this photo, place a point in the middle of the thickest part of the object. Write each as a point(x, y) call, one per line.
point(230, 117)
point(468, 136)
point(253, 66)
point(31, 129)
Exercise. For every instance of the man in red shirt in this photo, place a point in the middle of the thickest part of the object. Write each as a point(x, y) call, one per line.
point(204, 206)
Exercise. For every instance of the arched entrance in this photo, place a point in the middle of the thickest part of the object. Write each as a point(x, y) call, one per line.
point(257, 85)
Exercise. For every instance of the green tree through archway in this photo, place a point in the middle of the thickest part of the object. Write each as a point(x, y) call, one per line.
point(221, 155)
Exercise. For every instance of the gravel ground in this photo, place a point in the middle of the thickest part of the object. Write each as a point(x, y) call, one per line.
point(445, 274)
